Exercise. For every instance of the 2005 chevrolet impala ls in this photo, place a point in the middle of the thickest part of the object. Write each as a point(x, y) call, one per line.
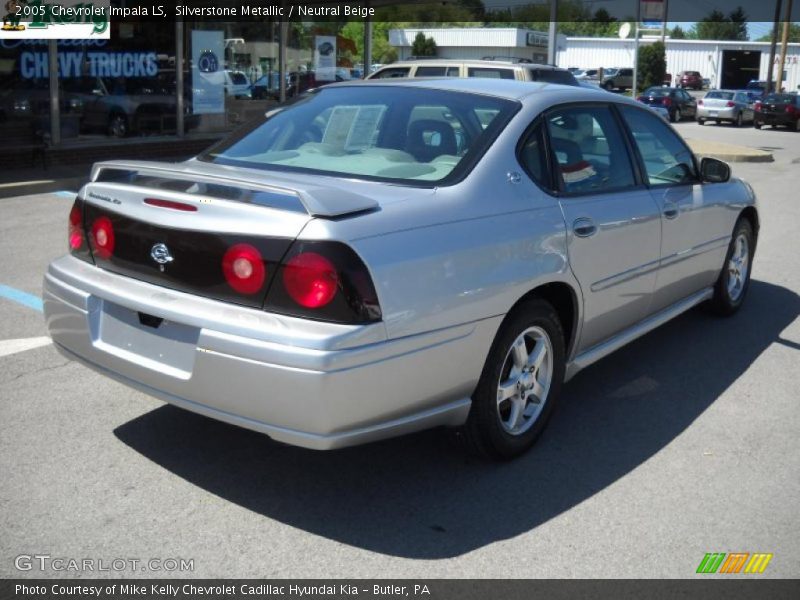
point(384, 257)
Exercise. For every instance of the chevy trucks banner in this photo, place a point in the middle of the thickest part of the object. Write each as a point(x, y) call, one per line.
point(325, 58)
point(208, 72)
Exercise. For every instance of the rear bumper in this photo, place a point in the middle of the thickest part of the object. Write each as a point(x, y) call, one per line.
point(721, 114)
point(785, 119)
point(309, 384)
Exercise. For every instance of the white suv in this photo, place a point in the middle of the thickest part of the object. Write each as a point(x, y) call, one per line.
point(491, 69)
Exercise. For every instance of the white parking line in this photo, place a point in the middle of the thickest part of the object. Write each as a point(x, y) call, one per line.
point(8, 347)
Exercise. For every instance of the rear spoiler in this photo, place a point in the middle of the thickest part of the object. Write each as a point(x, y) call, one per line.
point(326, 202)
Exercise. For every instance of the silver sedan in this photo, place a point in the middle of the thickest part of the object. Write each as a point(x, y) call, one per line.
point(383, 257)
point(725, 105)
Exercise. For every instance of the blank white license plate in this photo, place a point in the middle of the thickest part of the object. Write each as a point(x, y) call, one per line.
point(169, 348)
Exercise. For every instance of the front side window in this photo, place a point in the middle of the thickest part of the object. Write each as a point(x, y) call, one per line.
point(393, 133)
point(667, 160)
point(589, 149)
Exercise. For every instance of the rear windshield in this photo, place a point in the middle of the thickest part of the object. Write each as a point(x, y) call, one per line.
point(554, 76)
point(238, 78)
point(388, 133)
point(720, 95)
point(657, 92)
point(779, 99)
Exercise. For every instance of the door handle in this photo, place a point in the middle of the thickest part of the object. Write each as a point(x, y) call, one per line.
point(671, 210)
point(584, 227)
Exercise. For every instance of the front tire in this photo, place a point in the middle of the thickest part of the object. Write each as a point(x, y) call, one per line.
point(118, 125)
point(520, 383)
point(734, 280)
point(677, 116)
point(739, 120)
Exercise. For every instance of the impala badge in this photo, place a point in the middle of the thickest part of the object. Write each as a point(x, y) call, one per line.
point(160, 253)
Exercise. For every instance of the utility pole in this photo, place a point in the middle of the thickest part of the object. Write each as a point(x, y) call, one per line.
point(772, 45)
point(664, 22)
point(551, 33)
point(784, 41)
point(635, 85)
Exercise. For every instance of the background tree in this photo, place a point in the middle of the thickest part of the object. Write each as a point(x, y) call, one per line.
point(716, 26)
point(423, 46)
point(652, 66)
point(677, 33)
point(794, 33)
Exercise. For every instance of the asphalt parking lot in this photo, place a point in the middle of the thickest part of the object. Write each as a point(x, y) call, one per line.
point(683, 443)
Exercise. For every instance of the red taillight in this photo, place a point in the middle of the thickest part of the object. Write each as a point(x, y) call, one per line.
point(730, 104)
point(791, 109)
point(311, 280)
point(75, 234)
point(103, 237)
point(170, 204)
point(640, 98)
point(244, 269)
point(667, 102)
point(757, 107)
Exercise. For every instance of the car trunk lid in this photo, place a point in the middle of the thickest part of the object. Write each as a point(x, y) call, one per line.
point(176, 225)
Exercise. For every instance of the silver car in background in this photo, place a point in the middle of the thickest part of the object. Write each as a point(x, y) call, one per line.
point(387, 256)
point(733, 106)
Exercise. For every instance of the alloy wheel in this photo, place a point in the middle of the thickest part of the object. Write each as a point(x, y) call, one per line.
point(738, 265)
point(525, 380)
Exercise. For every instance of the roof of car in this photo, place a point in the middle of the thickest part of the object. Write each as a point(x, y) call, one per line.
point(427, 61)
point(509, 89)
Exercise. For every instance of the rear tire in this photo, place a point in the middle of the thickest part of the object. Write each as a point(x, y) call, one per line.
point(701, 121)
point(520, 384)
point(739, 121)
point(734, 279)
point(756, 124)
point(677, 116)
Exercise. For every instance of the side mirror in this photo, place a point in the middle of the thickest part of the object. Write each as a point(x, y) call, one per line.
point(714, 171)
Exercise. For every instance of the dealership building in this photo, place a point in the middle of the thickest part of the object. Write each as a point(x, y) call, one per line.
point(157, 88)
point(165, 88)
point(726, 64)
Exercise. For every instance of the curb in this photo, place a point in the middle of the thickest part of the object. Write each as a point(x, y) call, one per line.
point(729, 152)
point(29, 188)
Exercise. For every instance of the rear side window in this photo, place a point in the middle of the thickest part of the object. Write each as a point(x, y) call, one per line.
point(589, 149)
point(533, 158)
point(490, 73)
point(391, 73)
point(437, 72)
point(667, 160)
